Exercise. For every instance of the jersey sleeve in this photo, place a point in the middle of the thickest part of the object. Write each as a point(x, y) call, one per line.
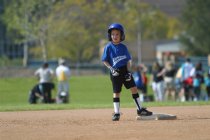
point(105, 56)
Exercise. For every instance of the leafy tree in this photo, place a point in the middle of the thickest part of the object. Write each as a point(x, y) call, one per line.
point(25, 22)
point(196, 21)
point(150, 21)
point(77, 28)
point(73, 29)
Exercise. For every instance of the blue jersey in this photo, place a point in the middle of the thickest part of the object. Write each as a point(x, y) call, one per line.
point(116, 55)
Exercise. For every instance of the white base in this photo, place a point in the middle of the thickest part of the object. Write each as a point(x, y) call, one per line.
point(157, 116)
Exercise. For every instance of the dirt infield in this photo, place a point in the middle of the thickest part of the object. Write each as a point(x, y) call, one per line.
point(193, 123)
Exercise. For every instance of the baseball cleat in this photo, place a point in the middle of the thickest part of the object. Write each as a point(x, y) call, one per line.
point(144, 112)
point(116, 117)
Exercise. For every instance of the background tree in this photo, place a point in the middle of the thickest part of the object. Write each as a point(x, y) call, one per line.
point(25, 22)
point(73, 29)
point(196, 21)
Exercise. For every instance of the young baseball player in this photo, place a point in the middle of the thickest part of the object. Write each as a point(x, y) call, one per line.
point(117, 58)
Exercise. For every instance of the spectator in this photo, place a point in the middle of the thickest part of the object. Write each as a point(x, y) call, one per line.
point(207, 83)
point(178, 85)
point(62, 74)
point(198, 79)
point(157, 82)
point(45, 76)
point(140, 79)
point(169, 74)
point(187, 80)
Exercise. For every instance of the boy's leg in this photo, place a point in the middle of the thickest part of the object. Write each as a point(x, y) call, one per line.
point(132, 86)
point(140, 110)
point(117, 87)
point(116, 104)
point(136, 98)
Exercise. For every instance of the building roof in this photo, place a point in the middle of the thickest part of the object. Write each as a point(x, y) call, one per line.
point(172, 46)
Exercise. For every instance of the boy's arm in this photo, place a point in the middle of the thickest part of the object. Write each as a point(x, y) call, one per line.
point(112, 70)
point(106, 64)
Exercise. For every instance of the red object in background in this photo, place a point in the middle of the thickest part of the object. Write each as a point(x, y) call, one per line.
point(144, 79)
point(188, 81)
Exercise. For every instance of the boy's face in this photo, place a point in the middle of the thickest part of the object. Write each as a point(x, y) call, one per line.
point(115, 35)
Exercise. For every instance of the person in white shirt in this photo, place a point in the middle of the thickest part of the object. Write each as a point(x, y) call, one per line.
point(63, 74)
point(45, 76)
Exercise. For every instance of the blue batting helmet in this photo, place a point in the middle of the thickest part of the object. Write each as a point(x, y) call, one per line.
point(116, 26)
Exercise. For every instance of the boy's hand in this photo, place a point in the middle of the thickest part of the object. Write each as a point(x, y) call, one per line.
point(128, 76)
point(113, 71)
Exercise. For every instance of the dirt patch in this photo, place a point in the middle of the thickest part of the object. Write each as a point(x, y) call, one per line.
point(193, 123)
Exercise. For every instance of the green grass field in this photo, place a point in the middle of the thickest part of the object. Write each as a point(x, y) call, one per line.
point(85, 92)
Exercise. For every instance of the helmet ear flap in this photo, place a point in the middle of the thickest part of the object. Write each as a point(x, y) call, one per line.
point(122, 36)
point(109, 36)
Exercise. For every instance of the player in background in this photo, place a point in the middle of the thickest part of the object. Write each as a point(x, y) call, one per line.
point(45, 76)
point(63, 74)
point(118, 60)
